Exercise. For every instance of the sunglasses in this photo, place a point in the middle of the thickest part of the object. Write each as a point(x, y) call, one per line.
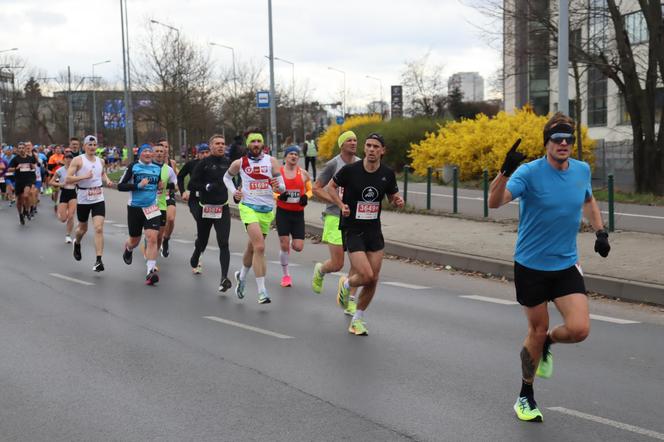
point(560, 137)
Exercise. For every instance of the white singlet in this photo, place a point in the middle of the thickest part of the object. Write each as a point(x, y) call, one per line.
point(89, 191)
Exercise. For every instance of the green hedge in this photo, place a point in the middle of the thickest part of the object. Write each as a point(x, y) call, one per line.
point(399, 133)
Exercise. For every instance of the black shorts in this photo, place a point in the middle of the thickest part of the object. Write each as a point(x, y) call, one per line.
point(136, 221)
point(162, 218)
point(83, 211)
point(362, 240)
point(534, 287)
point(290, 222)
point(21, 185)
point(67, 195)
point(170, 202)
point(3, 187)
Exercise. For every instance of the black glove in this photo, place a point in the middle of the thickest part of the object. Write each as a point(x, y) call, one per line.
point(304, 200)
point(284, 196)
point(512, 159)
point(602, 243)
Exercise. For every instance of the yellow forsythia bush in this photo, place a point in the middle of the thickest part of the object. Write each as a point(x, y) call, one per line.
point(327, 141)
point(482, 143)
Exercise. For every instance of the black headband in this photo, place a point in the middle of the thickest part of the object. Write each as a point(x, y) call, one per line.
point(378, 137)
point(562, 128)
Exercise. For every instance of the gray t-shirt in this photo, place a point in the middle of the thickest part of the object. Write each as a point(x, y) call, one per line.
point(61, 173)
point(331, 168)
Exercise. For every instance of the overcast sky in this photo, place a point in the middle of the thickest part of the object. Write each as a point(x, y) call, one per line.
point(360, 37)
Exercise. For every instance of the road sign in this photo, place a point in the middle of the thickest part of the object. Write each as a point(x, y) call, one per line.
point(263, 99)
point(340, 120)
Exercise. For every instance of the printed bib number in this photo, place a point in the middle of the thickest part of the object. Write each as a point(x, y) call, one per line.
point(293, 196)
point(367, 210)
point(260, 187)
point(212, 211)
point(151, 212)
point(93, 194)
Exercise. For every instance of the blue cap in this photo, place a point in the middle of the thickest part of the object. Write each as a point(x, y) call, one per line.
point(291, 149)
point(143, 147)
point(203, 147)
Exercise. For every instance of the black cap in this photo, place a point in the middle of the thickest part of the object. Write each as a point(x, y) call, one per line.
point(378, 137)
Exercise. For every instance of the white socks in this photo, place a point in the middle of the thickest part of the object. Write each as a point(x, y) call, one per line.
point(359, 314)
point(260, 282)
point(243, 272)
point(152, 263)
point(283, 259)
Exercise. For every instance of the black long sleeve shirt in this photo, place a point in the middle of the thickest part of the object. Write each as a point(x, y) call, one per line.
point(208, 179)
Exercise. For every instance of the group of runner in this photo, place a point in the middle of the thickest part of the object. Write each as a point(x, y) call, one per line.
point(553, 190)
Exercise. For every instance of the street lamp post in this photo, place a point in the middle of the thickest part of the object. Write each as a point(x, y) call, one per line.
point(177, 79)
point(293, 94)
point(129, 122)
point(1, 97)
point(94, 96)
point(344, 95)
point(234, 80)
point(380, 83)
point(273, 103)
point(563, 56)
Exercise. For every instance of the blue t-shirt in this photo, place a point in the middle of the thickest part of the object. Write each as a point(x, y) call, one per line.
point(135, 173)
point(550, 212)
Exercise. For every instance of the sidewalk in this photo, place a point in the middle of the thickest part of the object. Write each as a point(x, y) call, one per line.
point(633, 270)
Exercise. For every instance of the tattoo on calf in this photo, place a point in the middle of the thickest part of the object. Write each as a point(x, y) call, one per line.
point(527, 365)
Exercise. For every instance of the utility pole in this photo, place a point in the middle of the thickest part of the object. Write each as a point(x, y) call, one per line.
point(273, 98)
point(70, 105)
point(563, 56)
point(129, 118)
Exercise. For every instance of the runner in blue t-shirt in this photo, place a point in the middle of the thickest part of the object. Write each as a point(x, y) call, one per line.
point(142, 179)
point(554, 191)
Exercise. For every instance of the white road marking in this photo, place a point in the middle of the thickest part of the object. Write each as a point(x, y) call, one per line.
point(213, 248)
point(338, 274)
point(237, 254)
point(609, 422)
point(119, 225)
point(248, 327)
point(613, 320)
point(635, 215)
point(109, 221)
point(406, 286)
point(290, 264)
point(488, 299)
point(183, 241)
point(67, 278)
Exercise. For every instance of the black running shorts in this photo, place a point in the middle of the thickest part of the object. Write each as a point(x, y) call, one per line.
point(21, 185)
point(83, 211)
point(136, 221)
point(361, 240)
point(162, 218)
point(66, 195)
point(535, 287)
point(290, 222)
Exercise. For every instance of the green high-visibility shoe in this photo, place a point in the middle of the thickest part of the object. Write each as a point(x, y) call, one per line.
point(545, 366)
point(527, 410)
point(352, 308)
point(317, 279)
point(342, 293)
point(358, 328)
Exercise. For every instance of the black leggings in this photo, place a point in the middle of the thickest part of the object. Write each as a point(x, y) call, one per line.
point(312, 161)
point(222, 226)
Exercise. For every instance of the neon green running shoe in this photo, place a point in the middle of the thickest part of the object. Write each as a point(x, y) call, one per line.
point(352, 307)
point(342, 293)
point(358, 328)
point(317, 279)
point(545, 366)
point(527, 410)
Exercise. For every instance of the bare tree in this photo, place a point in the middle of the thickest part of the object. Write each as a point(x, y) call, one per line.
point(424, 88)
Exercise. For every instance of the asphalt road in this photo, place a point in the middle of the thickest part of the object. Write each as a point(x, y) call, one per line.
point(91, 356)
point(631, 217)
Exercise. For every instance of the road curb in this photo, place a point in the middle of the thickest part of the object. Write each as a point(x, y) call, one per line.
point(612, 287)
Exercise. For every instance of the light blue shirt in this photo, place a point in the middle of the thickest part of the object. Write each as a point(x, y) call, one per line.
point(550, 209)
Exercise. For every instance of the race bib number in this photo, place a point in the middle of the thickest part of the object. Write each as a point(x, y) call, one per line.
point(293, 196)
point(24, 167)
point(260, 187)
point(212, 211)
point(151, 212)
point(93, 194)
point(367, 210)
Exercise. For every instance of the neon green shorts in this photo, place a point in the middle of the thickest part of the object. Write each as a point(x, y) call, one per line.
point(331, 232)
point(250, 216)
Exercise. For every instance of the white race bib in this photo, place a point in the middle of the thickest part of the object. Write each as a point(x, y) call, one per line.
point(367, 210)
point(93, 194)
point(212, 211)
point(260, 188)
point(151, 212)
point(23, 167)
point(293, 196)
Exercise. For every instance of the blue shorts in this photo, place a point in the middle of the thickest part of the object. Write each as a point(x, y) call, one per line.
point(38, 185)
